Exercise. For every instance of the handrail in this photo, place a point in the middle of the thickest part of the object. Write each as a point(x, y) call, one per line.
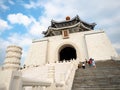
point(59, 84)
point(70, 75)
point(2, 86)
point(31, 82)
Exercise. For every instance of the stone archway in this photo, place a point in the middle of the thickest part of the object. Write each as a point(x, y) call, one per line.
point(67, 53)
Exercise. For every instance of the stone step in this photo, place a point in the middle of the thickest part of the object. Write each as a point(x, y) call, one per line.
point(97, 76)
point(98, 73)
point(105, 77)
point(101, 68)
point(92, 83)
point(98, 88)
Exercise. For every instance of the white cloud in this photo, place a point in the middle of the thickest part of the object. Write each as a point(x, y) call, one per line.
point(60, 9)
point(113, 31)
point(110, 20)
point(20, 40)
point(57, 10)
point(33, 4)
point(117, 45)
point(23, 41)
point(11, 2)
point(3, 6)
point(19, 18)
point(4, 25)
point(30, 5)
point(3, 46)
point(36, 29)
point(4, 43)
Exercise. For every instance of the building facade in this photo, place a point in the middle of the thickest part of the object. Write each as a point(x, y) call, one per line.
point(70, 39)
point(52, 61)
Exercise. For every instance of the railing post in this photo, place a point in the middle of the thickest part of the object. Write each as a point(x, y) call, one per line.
point(51, 73)
point(44, 88)
point(39, 88)
point(35, 88)
point(62, 77)
point(23, 88)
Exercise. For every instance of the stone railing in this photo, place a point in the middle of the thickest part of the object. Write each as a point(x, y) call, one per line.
point(66, 78)
point(70, 75)
point(31, 84)
point(65, 70)
point(38, 84)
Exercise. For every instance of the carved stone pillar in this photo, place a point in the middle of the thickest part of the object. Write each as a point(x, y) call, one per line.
point(13, 56)
point(51, 73)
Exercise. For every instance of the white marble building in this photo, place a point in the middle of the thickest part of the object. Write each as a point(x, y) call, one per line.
point(82, 41)
point(51, 62)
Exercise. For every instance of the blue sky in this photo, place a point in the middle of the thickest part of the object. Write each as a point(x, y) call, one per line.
point(21, 21)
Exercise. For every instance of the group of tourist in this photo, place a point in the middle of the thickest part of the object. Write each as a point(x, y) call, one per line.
point(90, 62)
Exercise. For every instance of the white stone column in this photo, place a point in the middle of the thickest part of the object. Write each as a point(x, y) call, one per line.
point(13, 56)
point(51, 73)
point(85, 47)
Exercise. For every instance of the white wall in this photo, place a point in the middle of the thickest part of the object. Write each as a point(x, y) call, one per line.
point(56, 42)
point(37, 53)
point(11, 80)
point(99, 46)
point(88, 44)
point(46, 50)
point(5, 78)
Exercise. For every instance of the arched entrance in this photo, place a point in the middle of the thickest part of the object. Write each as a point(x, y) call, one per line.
point(67, 53)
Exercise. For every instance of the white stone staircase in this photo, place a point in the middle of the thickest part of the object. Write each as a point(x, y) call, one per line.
point(105, 77)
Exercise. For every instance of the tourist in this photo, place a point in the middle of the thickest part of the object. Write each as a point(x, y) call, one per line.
point(90, 62)
point(86, 61)
point(79, 65)
point(24, 66)
point(93, 63)
point(83, 65)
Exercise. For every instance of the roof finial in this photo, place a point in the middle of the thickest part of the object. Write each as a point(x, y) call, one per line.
point(67, 18)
